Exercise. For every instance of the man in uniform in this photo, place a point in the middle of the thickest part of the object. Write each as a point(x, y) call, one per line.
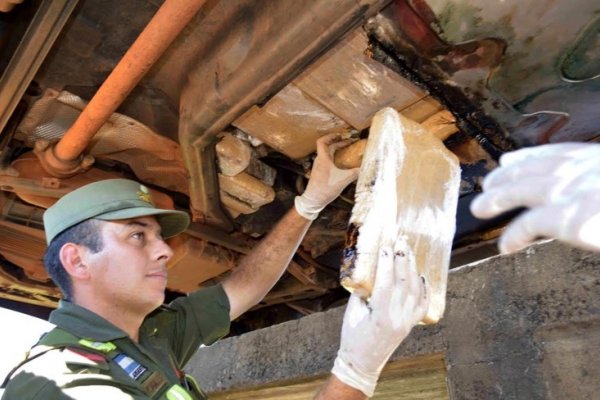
point(115, 340)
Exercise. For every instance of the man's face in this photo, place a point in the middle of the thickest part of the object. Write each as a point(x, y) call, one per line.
point(130, 272)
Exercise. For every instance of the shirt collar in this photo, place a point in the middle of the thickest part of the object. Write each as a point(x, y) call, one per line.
point(84, 323)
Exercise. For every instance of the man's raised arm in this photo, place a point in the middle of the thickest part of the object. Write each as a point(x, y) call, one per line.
point(259, 271)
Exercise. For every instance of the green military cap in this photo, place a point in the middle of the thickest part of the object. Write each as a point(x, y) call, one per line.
point(110, 200)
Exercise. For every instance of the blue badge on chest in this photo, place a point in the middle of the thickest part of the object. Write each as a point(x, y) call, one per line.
point(133, 368)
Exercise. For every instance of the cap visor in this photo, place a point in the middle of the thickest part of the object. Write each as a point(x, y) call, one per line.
point(172, 222)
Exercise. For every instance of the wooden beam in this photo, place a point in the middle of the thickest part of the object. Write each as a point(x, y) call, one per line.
point(422, 378)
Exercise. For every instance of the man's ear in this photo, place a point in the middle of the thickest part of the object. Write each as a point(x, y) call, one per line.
point(72, 258)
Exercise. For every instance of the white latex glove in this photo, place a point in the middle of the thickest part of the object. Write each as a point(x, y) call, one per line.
point(326, 181)
point(372, 331)
point(558, 183)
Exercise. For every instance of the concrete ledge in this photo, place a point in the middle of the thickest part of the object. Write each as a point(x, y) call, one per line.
point(524, 326)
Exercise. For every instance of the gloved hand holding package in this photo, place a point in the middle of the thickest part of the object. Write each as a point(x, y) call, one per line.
point(326, 181)
point(372, 331)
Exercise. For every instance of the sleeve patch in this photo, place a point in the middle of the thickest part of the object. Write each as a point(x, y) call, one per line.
point(78, 357)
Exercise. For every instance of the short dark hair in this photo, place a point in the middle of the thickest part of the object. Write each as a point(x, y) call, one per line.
point(86, 233)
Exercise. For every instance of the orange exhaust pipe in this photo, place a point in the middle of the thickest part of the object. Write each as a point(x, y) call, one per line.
point(160, 32)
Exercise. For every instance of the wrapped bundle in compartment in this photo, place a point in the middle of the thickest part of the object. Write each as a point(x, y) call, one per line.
point(408, 186)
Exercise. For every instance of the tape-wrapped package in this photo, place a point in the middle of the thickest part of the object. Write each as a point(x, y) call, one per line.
point(408, 186)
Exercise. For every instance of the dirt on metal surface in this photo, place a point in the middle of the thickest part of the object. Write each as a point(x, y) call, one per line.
point(498, 60)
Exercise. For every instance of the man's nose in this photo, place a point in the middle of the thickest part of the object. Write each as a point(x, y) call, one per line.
point(162, 250)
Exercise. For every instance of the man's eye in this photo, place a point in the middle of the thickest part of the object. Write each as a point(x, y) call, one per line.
point(138, 235)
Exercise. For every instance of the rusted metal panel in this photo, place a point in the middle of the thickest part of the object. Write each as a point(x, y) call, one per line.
point(290, 289)
point(304, 274)
point(37, 41)
point(530, 67)
point(196, 261)
point(154, 158)
point(20, 290)
point(34, 191)
point(45, 187)
point(535, 33)
point(353, 86)
point(24, 246)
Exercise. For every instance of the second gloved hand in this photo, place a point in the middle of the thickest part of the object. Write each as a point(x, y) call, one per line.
point(372, 331)
point(326, 180)
point(558, 183)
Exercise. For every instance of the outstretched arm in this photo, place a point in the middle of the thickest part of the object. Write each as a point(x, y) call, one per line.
point(258, 271)
point(373, 329)
point(559, 184)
